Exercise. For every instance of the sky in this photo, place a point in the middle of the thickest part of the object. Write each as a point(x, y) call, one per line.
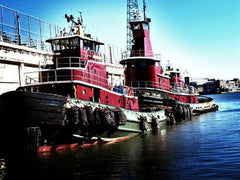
point(200, 37)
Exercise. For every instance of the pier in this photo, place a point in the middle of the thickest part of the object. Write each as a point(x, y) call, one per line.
point(22, 46)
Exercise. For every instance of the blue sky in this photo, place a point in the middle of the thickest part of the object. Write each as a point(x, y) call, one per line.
point(199, 36)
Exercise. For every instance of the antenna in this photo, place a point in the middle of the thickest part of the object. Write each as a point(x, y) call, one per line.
point(80, 16)
point(144, 10)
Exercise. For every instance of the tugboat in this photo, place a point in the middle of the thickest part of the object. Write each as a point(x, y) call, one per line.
point(72, 103)
point(154, 86)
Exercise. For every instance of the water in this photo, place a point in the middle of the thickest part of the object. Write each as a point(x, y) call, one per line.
point(208, 147)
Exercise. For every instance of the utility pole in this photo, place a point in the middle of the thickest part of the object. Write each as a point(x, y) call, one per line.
point(132, 15)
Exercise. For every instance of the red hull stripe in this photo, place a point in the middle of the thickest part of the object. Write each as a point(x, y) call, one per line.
point(42, 149)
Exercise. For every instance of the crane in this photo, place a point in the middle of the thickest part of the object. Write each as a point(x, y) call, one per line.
point(133, 15)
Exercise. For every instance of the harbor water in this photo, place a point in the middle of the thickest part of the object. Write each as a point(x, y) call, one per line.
point(207, 147)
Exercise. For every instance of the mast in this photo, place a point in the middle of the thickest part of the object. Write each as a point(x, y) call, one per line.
point(144, 10)
point(132, 15)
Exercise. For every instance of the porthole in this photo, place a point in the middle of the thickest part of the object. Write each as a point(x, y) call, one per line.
point(84, 91)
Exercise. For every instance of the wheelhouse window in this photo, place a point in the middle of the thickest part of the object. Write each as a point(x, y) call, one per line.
point(90, 45)
point(55, 45)
point(87, 45)
point(64, 44)
point(95, 47)
point(74, 43)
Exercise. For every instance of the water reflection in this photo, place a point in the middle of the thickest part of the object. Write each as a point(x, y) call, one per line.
point(206, 147)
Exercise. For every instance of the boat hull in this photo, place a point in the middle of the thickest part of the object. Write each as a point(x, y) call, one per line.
point(154, 99)
point(33, 121)
point(202, 107)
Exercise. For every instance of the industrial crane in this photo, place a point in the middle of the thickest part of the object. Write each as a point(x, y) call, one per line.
point(133, 15)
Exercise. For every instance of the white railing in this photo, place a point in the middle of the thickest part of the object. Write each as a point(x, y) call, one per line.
point(70, 62)
point(165, 87)
point(24, 41)
point(60, 75)
point(140, 53)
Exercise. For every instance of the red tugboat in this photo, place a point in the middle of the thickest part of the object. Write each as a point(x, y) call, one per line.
point(155, 86)
point(72, 101)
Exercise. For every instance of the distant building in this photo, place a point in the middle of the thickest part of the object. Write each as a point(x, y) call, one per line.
point(212, 86)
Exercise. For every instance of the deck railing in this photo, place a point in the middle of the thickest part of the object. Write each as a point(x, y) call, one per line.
point(64, 62)
point(140, 53)
point(177, 88)
point(25, 41)
point(33, 31)
point(60, 75)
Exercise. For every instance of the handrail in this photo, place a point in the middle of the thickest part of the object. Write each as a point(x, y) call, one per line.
point(46, 76)
point(25, 41)
point(87, 77)
point(140, 53)
point(69, 62)
point(150, 84)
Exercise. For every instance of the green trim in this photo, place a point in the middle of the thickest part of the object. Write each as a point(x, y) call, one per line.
point(129, 130)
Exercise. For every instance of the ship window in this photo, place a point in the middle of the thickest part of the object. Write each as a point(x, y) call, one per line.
point(97, 48)
point(81, 44)
point(94, 47)
point(87, 45)
point(136, 27)
point(64, 43)
point(74, 43)
point(145, 26)
point(55, 45)
point(84, 91)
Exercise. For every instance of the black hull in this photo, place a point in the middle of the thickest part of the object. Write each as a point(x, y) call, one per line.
point(28, 109)
point(28, 120)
